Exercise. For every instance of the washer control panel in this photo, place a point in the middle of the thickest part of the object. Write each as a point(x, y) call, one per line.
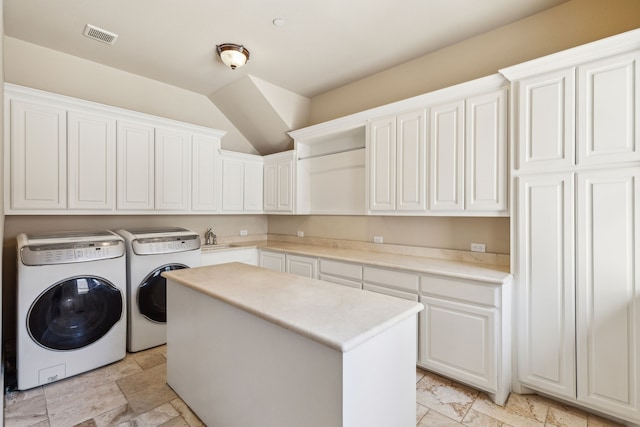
point(71, 252)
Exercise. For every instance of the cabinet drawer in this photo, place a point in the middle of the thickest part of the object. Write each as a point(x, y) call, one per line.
point(340, 281)
point(391, 292)
point(395, 279)
point(462, 290)
point(343, 269)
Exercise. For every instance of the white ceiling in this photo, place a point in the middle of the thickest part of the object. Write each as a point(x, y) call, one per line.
point(324, 44)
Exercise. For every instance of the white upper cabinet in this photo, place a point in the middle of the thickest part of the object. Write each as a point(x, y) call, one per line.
point(253, 185)
point(397, 160)
point(382, 164)
point(37, 157)
point(242, 182)
point(172, 169)
point(486, 152)
point(135, 166)
point(546, 120)
point(206, 170)
point(608, 110)
point(468, 155)
point(279, 182)
point(92, 161)
point(446, 153)
point(65, 155)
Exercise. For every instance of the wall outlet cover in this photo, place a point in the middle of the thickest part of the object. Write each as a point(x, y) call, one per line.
point(300, 233)
point(378, 239)
point(243, 232)
point(478, 247)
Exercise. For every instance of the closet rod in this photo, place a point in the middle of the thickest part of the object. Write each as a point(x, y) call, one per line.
point(332, 152)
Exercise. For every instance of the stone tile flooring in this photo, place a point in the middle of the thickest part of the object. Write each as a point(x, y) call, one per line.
point(133, 392)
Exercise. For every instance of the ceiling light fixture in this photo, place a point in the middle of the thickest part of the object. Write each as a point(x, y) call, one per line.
point(233, 55)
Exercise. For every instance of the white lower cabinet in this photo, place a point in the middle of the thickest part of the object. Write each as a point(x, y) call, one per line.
point(302, 265)
point(464, 332)
point(273, 260)
point(397, 284)
point(341, 273)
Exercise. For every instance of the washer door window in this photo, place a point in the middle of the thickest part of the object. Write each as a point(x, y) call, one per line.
point(74, 313)
point(152, 294)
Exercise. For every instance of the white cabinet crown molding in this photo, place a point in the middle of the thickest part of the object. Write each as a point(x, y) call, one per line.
point(360, 119)
point(609, 46)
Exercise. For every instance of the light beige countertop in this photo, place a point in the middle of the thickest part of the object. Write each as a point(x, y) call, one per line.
point(334, 315)
point(495, 274)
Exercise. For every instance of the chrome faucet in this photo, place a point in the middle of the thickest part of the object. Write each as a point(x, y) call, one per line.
point(210, 238)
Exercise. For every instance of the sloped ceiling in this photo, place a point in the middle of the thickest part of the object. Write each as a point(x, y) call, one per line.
point(262, 112)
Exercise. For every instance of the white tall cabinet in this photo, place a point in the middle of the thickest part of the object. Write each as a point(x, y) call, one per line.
point(576, 168)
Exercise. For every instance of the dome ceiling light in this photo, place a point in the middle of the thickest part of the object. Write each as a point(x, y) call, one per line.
point(233, 55)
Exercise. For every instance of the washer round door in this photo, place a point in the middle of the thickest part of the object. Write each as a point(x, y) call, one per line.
point(74, 313)
point(152, 294)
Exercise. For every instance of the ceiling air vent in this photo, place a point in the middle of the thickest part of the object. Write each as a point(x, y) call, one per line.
point(99, 34)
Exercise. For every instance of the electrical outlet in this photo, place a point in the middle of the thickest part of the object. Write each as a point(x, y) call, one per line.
point(300, 233)
point(478, 247)
point(243, 232)
point(378, 239)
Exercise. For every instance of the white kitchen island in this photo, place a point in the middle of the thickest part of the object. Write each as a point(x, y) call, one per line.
point(248, 346)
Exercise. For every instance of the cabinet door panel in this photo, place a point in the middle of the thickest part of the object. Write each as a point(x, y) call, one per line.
point(459, 340)
point(382, 161)
point(411, 160)
point(486, 152)
point(273, 260)
point(172, 162)
point(206, 174)
point(270, 187)
point(608, 292)
point(302, 266)
point(233, 185)
point(608, 114)
point(38, 156)
point(546, 120)
point(253, 187)
point(546, 300)
point(446, 155)
point(285, 186)
point(135, 166)
point(92, 161)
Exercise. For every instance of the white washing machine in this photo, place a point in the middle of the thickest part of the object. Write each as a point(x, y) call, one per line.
point(71, 298)
point(150, 252)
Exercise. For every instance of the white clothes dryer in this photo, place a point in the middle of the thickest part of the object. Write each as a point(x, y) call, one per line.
point(150, 252)
point(71, 304)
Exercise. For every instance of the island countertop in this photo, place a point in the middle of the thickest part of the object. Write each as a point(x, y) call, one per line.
point(336, 316)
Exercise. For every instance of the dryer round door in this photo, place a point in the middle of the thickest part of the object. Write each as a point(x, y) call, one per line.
point(74, 313)
point(152, 294)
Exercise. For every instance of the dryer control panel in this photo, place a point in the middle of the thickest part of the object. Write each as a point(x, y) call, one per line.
point(165, 245)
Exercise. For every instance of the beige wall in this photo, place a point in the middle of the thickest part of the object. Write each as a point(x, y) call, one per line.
point(568, 25)
point(25, 64)
point(436, 232)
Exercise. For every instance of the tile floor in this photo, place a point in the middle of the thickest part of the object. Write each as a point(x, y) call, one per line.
point(133, 392)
